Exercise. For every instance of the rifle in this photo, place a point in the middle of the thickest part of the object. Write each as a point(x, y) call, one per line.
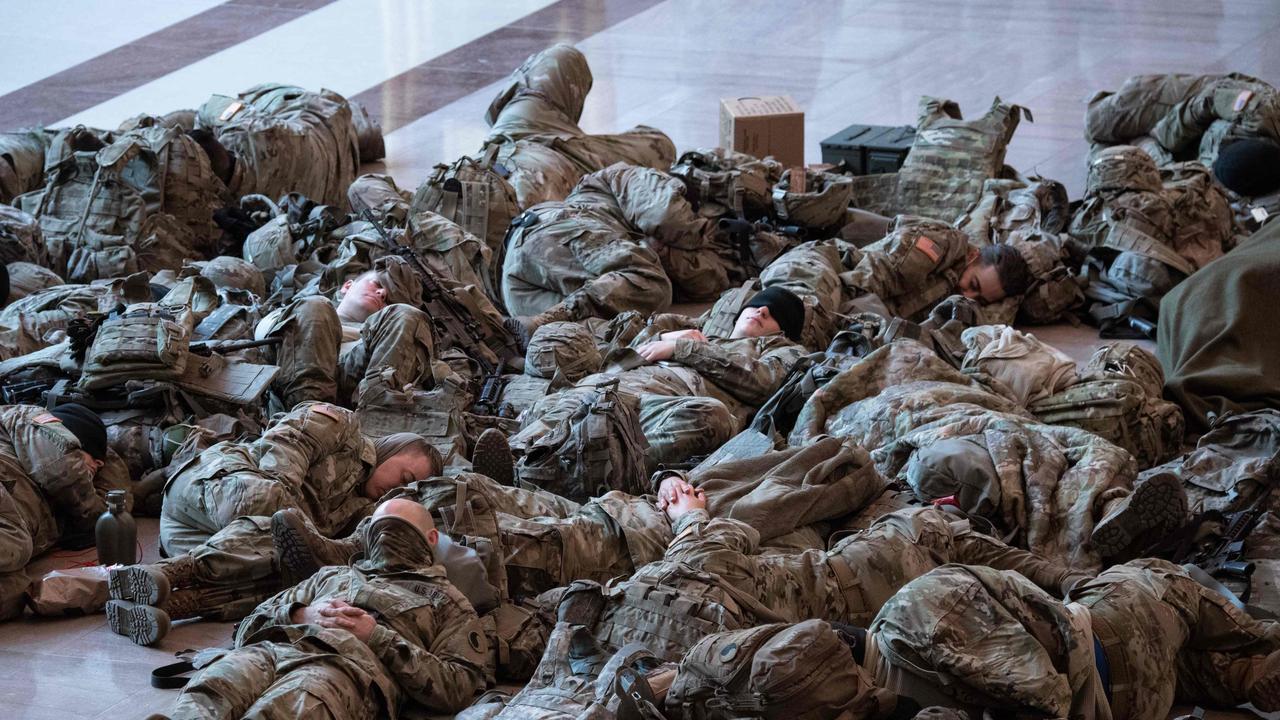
point(1225, 558)
point(206, 347)
point(741, 231)
point(489, 402)
point(451, 319)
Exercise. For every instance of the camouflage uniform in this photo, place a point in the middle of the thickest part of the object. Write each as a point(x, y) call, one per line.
point(429, 648)
point(547, 541)
point(314, 458)
point(541, 104)
point(286, 139)
point(1175, 116)
point(40, 319)
point(986, 637)
point(593, 251)
point(689, 405)
point(45, 485)
point(910, 270)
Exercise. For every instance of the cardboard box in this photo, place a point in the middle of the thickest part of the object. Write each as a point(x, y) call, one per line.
point(763, 126)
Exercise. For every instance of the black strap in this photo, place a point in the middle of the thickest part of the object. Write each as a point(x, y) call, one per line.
point(172, 676)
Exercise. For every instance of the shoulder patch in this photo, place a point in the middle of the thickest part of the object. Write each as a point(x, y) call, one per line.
point(928, 247)
point(45, 419)
point(327, 410)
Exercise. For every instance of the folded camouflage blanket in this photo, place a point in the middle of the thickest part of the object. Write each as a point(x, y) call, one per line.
point(1217, 338)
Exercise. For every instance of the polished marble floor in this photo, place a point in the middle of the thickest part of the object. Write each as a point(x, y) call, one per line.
point(427, 68)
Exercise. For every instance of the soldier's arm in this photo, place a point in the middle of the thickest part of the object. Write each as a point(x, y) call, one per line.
point(443, 671)
point(626, 276)
point(749, 378)
point(975, 548)
point(308, 433)
point(698, 537)
point(67, 480)
point(278, 610)
point(653, 202)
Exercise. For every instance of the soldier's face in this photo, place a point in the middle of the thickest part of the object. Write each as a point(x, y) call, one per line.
point(981, 282)
point(755, 322)
point(399, 469)
point(362, 297)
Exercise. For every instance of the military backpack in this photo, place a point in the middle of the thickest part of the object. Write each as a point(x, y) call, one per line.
point(598, 448)
point(771, 672)
point(1118, 409)
point(146, 342)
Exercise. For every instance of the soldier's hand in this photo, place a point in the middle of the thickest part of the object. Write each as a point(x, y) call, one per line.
point(691, 334)
point(686, 501)
point(338, 614)
point(669, 488)
point(657, 350)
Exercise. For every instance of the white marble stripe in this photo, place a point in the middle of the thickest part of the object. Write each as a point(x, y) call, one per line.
point(41, 37)
point(347, 47)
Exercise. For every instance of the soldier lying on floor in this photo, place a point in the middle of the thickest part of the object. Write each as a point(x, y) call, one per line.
point(365, 641)
point(1128, 644)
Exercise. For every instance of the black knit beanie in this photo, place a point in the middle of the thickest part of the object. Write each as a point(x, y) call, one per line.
point(785, 307)
point(86, 426)
point(1249, 167)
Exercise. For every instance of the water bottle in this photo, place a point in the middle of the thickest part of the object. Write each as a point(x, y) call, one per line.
point(116, 533)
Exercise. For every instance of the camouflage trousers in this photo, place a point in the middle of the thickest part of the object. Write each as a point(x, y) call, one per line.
point(278, 680)
point(27, 529)
point(395, 349)
point(197, 508)
point(225, 577)
point(1169, 638)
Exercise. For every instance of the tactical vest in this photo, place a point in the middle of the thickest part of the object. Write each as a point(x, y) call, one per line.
point(598, 448)
point(724, 314)
point(96, 219)
point(145, 342)
point(668, 618)
point(475, 194)
point(1055, 289)
point(951, 158)
point(1203, 224)
point(772, 672)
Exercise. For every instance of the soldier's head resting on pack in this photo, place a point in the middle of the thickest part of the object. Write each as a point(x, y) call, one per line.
point(362, 296)
point(402, 458)
point(88, 429)
point(1249, 167)
point(769, 312)
point(994, 273)
point(222, 159)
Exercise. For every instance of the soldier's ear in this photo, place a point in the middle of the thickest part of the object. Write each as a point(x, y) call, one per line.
point(433, 537)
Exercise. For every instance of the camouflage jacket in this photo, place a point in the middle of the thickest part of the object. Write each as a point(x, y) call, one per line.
point(36, 444)
point(911, 269)
point(746, 371)
point(429, 645)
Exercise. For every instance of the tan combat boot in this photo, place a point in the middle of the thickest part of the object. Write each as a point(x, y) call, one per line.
point(303, 550)
point(1157, 505)
point(151, 584)
point(143, 624)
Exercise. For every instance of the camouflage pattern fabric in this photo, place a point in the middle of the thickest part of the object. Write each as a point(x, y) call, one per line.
point(562, 348)
point(100, 215)
point(912, 268)
point(821, 206)
point(541, 103)
point(46, 485)
point(428, 650)
point(287, 139)
point(1203, 222)
point(1167, 636)
point(1231, 463)
point(20, 238)
point(22, 162)
point(313, 458)
point(729, 182)
point(977, 636)
point(1028, 367)
point(28, 279)
point(779, 671)
point(1043, 486)
point(951, 158)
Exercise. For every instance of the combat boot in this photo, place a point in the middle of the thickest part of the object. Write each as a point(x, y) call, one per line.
point(1157, 505)
point(303, 550)
point(492, 458)
point(151, 584)
point(143, 624)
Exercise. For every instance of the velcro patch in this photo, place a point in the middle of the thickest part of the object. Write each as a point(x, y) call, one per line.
point(45, 419)
point(928, 247)
point(327, 410)
point(1242, 99)
point(231, 110)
